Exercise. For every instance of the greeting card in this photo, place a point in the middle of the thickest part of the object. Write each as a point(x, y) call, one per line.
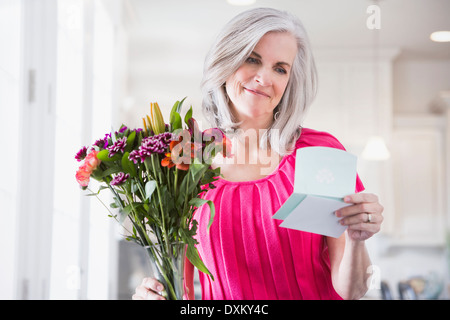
point(323, 176)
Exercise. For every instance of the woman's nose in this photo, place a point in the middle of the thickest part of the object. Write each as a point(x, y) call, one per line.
point(263, 77)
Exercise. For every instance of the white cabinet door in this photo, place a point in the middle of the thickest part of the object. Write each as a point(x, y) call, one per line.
point(419, 176)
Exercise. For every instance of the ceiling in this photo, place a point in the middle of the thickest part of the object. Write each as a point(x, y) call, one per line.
point(168, 40)
point(406, 24)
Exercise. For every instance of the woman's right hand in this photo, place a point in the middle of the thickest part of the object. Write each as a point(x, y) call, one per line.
point(149, 289)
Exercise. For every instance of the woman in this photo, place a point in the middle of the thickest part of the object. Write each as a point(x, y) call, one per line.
point(259, 80)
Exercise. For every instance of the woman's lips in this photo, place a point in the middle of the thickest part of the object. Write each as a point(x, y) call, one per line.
point(257, 92)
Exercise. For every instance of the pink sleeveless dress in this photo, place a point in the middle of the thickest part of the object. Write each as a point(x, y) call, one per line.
point(249, 255)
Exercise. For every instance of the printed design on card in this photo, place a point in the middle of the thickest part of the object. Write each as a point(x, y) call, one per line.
point(325, 176)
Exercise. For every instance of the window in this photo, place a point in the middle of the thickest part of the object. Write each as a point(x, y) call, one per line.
point(82, 240)
point(57, 93)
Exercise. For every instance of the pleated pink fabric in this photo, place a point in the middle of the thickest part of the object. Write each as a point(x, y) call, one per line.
point(249, 255)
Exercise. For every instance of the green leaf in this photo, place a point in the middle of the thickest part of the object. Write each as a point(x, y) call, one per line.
point(174, 110)
point(132, 207)
point(103, 156)
point(197, 202)
point(210, 176)
point(197, 170)
point(134, 187)
point(150, 187)
point(192, 252)
point(102, 188)
point(177, 106)
point(194, 258)
point(175, 121)
point(128, 165)
point(188, 116)
point(91, 195)
point(130, 141)
point(175, 118)
point(110, 171)
point(181, 104)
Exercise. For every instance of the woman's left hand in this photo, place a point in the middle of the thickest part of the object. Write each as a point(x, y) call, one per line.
point(363, 218)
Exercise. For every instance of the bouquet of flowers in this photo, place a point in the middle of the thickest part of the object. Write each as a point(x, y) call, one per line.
point(156, 175)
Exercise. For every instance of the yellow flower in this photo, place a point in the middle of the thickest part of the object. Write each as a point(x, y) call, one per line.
point(156, 120)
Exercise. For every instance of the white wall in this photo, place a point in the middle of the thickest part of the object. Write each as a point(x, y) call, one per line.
point(417, 82)
point(10, 30)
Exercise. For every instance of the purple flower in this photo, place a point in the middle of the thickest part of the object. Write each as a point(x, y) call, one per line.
point(152, 144)
point(81, 154)
point(122, 129)
point(119, 179)
point(134, 156)
point(100, 143)
point(119, 145)
point(155, 144)
point(103, 142)
point(107, 137)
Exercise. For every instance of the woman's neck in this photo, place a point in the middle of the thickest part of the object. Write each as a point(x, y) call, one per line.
point(257, 126)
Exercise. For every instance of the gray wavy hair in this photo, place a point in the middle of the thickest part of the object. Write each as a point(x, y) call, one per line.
point(232, 47)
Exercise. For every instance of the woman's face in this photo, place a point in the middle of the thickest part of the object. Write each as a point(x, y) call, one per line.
point(257, 87)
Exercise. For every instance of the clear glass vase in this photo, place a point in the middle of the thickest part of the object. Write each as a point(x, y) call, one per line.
point(167, 262)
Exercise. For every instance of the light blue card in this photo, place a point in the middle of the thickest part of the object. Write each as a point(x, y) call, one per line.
point(323, 176)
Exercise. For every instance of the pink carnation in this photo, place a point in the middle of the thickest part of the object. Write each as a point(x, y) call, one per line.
point(91, 161)
point(83, 175)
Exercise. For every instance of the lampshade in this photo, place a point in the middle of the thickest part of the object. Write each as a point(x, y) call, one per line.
point(376, 149)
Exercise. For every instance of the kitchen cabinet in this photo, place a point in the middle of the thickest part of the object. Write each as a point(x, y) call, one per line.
point(419, 174)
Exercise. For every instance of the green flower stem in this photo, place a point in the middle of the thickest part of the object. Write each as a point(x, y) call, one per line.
point(176, 182)
point(186, 195)
point(166, 266)
point(137, 220)
point(165, 269)
point(170, 187)
point(141, 189)
point(143, 236)
point(161, 206)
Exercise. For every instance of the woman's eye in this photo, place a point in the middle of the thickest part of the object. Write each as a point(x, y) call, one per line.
point(280, 70)
point(252, 60)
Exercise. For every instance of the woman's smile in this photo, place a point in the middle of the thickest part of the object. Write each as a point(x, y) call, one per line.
point(257, 92)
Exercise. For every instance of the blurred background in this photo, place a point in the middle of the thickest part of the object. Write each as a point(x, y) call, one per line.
point(72, 70)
